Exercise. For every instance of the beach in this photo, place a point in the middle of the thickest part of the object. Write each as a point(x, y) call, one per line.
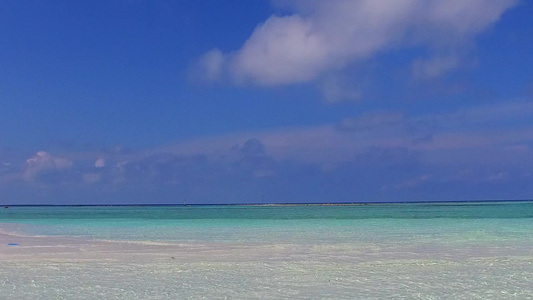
point(250, 257)
point(275, 149)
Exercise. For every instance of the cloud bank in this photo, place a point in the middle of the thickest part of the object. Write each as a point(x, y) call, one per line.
point(319, 38)
point(44, 161)
point(481, 152)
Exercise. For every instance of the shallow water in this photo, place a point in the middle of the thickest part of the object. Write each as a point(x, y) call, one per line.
point(400, 251)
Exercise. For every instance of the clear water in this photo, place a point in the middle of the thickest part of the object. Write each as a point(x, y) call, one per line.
point(396, 251)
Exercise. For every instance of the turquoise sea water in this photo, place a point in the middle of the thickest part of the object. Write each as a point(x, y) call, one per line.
point(409, 251)
point(440, 222)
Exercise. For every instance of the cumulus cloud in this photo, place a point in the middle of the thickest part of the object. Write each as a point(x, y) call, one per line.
point(100, 163)
point(327, 36)
point(44, 161)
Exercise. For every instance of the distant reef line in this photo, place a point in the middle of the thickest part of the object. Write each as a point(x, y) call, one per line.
point(495, 201)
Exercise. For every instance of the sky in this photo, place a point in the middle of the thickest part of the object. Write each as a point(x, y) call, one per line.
point(282, 101)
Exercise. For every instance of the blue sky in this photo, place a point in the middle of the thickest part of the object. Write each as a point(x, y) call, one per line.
point(265, 101)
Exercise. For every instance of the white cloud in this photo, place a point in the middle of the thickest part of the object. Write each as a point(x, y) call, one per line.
point(327, 36)
point(44, 161)
point(99, 163)
point(282, 50)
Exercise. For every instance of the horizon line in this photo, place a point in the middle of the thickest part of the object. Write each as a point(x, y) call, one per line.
point(281, 203)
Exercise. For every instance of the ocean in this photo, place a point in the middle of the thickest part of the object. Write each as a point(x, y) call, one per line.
point(459, 250)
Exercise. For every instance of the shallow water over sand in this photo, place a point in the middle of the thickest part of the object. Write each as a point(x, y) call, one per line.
point(408, 251)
